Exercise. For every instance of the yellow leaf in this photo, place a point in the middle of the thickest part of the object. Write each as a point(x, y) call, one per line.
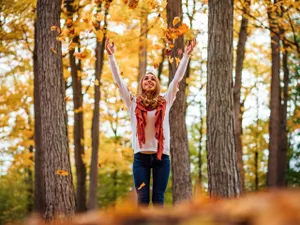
point(82, 141)
point(96, 82)
point(99, 35)
point(157, 47)
point(80, 109)
point(53, 28)
point(72, 46)
point(141, 186)
point(62, 172)
point(171, 60)
point(177, 61)
point(176, 20)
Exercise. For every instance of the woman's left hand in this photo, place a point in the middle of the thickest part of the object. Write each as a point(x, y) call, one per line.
point(190, 46)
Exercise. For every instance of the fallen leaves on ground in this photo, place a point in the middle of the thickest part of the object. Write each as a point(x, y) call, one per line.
point(277, 207)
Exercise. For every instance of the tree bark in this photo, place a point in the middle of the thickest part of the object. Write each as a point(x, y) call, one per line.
point(96, 121)
point(240, 55)
point(223, 173)
point(274, 125)
point(282, 154)
point(78, 131)
point(181, 177)
point(39, 189)
point(59, 191)
point(143, 43)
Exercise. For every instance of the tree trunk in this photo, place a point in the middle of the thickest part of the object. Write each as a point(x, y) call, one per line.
point(240, 55)
point(223, 174)
point(282, 154)
point(200, 147)
point(274, 125)
point(29, 183)
point(78, 131)
point(59, 191)
point(39, 189)
point(143, 43)
point(181, 177)
point(96, 121)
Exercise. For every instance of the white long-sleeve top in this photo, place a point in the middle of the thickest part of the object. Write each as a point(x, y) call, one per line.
point(130, 102)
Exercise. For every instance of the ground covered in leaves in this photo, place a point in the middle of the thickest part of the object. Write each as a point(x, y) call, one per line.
point(277, 207)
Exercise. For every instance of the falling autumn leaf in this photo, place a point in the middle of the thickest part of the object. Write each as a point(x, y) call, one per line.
point(177, 61)
point(53, 50)
point(157, 47)
point(183, 29)
point(62, 172)
point(176, 20)
point(69, 22)
point(171, 60)
point(132, 4)
point(99, 165)
point(53, 28)
point(96, 82)
point(141, 186)
point(80, 109)
point(83, 55)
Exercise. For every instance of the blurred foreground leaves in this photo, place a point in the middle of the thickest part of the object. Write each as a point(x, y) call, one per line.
point(277, 207)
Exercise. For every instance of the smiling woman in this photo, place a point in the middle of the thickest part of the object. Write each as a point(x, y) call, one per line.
point(149, 115)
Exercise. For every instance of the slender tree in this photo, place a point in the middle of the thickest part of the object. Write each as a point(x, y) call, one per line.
point(223, 174)
point(100, 47)
point(274, 125)
point(240, 55)
point(39, 189)
point(78, 131)
point(143, 43)
point(181, 177)
point(55, 162)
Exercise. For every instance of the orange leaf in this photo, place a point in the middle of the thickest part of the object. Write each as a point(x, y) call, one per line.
point(62, 172)
point(141, 186)
point(53, 50)
point(69, 22)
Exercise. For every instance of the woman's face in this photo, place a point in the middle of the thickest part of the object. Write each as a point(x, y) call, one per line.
point(149, 82)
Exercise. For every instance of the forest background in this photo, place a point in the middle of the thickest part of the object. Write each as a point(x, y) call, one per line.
point(139, 30)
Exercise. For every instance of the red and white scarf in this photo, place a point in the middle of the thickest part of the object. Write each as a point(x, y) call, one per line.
point(141, 117)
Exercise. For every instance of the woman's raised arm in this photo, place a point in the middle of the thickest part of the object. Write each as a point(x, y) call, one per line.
point(174, 85)
point(125, 94)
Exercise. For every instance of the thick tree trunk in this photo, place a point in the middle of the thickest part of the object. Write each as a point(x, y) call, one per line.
point(143, 43)
point(39, 189)
point(96, 121)
point(181, 177)
point(240, 55)
point(282, 154)
point(274, 125)
point(223, 174)
point(59, 190)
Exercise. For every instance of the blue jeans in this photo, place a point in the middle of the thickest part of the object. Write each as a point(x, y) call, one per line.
point(142, 165)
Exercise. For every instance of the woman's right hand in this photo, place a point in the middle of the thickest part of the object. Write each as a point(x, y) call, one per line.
point(110, 48)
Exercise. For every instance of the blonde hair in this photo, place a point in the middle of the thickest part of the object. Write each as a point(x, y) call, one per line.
point(154, 98)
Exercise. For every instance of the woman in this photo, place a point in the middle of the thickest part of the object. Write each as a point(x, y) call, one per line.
point(149, 115)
